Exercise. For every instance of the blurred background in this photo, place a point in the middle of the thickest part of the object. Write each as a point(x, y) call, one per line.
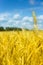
point(18, 13)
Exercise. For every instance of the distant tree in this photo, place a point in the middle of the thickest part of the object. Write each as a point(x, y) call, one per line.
point(26, 29)
point(9, 28)
point(12, 28)
point(2, 29)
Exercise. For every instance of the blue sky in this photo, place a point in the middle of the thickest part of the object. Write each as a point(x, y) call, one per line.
point(18, 13)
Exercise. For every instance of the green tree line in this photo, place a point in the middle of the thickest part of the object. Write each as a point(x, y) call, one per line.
point(11, 29)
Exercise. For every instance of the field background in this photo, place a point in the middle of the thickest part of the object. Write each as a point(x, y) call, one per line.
point(21, 48)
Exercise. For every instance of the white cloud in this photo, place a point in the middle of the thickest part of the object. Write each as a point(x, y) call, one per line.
point(10, 20)
point(4, 16)
point(27, 25)
point(40, 17)
point(23, 23)
point(17, 20)
point(16, 16)
point(1, 19)
point(27, 19)
point(40, 26)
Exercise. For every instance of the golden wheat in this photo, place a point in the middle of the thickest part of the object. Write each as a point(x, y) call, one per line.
point(21, 48)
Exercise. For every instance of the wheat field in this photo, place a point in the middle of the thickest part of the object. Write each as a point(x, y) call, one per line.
point(21, 48)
